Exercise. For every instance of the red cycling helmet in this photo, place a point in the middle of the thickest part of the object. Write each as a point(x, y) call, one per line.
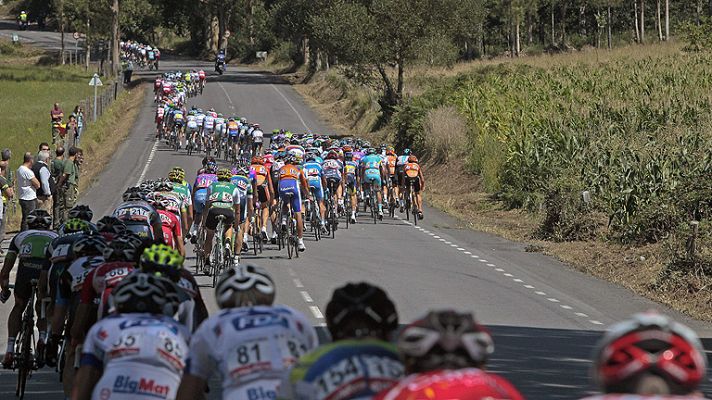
point(649, 343)
point(332, 155)
point(412, 159)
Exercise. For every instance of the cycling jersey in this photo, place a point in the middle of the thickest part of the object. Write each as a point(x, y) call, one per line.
point(201, 74)
point(348, 369)
point(233, 128)
point(142, 356)
point(182, 190)
point(257, 135)
point(391, 163)
point(372, 169)
point(200, 118)
point(140, 218)
point(332, 169)
point(260, 174)
point(402, 160)
point(171, 228)
point(462, 384)
point(412, 170)
point(192, 122)
point(297, 151)
point(244, 185)
point(251, 348)
point(31, 248)
point(314, 172)
point(223, 195)
point(101, 281)
point(209, 122)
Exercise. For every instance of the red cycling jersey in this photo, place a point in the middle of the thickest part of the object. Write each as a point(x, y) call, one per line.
point(171, 228)
point(101, 281)
point(462, 384)
point(639, 397)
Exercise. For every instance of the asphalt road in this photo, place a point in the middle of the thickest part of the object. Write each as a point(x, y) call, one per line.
point(545, 317)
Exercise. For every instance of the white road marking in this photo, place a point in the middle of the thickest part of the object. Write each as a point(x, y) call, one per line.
point(490, 265)
point(461, 249)
point(298, 283)
point(148, 163)
point(475, 256)
point(447, 242)
point(580, 314)
point(292, 107)
point(483, 260)
point(529, 286)
point(498, 269)
point(468, 253)
point(441, 239)
point(508, 275)
point(553, 300)
point(316, 312)
point(517, 280)
point(431, 234)
point(226, 95)
point(291, 271)
point(565, 307)
point(453, 245)
point(436, 237)
point(540, 293)
point(306, 296)
point(593, 321)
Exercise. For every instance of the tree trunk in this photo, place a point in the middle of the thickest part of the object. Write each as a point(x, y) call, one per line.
point(642, 21)
point(115, 38)
point(610, 36)
point(564, 9)
point(530, 28)
point(582, 20)
point(553, 26)
point(87, 42)
point(517, 42)
point(61, 29)
point(481, 40)
point(658, 22)
point(389, 93)
point(698, 12)
point(399, 90)
point(637, 27)
point(667, 20)
point(251, 21)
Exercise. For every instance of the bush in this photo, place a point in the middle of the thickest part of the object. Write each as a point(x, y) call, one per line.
point(437, 50)
point(566, 216)
point(445, 134)
point(285, 52)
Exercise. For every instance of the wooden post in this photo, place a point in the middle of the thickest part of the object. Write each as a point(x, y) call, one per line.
point(690, 246)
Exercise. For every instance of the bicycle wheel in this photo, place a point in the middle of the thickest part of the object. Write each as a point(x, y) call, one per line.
point(217, 253)
point(255, 238)
point(25, 362)
point(290, 238)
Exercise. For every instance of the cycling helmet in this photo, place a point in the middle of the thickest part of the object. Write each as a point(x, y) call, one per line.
point(164, 186)
point(133, 194)
point(406, 152)
point(242, 170)
point(162, 260)
point(371, 151)
point(244, 286)
point(81, 211)
point(109, 224)
point(444, 340)
point(89, 245)
point(123, 247)
point(224, 174)
point(310, 157)
point(258, 160)
point(39, 219)
point(390, 151)
point(347, 149)
point(332, 155)
point(174, 176)
point(412, 158)
point(75, 225)
point(649, 344)
point(145, 293)
point(211, 166)
point(359, 310)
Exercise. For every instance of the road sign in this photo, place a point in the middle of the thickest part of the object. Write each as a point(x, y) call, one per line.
point(227, 34)
point(76, 35)
point(15, 38)
point(95, 81)
point(262, 55)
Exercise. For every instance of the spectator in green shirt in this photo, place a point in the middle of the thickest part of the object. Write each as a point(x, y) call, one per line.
point(68, 184)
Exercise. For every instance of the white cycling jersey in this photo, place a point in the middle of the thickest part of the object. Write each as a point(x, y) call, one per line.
point(192, 122)
point(257, 135)
point(142, 356)
point(200, 118)
point(80, 269)
point(209, 122)
point(251, 348)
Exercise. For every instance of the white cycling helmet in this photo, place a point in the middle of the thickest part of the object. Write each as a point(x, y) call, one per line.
point(244, 286)
point(145, 293)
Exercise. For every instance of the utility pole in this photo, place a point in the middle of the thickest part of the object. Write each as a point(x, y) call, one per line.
point(115, 38)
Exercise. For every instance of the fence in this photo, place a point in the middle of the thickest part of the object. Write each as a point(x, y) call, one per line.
point(105, 97)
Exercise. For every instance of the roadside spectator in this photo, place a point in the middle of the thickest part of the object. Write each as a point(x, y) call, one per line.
point(42, 172)
point(56, 169)
point(68, 184)
point(27, 184)
point(44, 146)
point(7, 193)
point(79, 115)
point(56, 113)
point(5, 156)
point(128, 71)
point(71, 129)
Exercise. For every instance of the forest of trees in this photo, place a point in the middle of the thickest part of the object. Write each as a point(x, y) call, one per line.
point(378, 37)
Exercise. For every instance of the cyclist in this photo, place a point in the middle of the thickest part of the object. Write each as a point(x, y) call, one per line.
point(351, 168)
point(250, 344)
point(240, 178)
point(414, 174)
point(333, 169)
point(110, 227)
point(371, 174)
point(317, 182)
point(649, 356)
point(391, 160)
point(162, 260)
point(223, 198)
point(184, 191)
point(262, 186)
point(291, 182)
point(401, 161)
point(172, 231)
point(205, 178)
point(360, 362)
point(257, 139)
point(139, 216)
point(191, 128)
point(138, 353)
point(445, 353)
point(30, 248)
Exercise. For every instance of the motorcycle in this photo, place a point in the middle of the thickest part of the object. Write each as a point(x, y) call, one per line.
point(220, 67)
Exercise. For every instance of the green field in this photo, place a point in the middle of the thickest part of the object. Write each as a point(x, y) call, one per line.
point(28, 92)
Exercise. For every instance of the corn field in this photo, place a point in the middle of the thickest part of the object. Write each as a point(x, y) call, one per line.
point(635, 134)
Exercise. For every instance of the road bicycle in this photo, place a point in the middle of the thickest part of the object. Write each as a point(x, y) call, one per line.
point(392, 204)
point(220, 256)
point(312, 211)
point(348, 207)
point(410, 206)
point(24, 361)
point(288, 232)
point(373, 200)
point(256, 235)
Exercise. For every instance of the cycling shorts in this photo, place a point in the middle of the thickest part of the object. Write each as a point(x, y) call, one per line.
point(351, 181)
point(315, 186)
point(211, 222)
point(373, 175)
point(262, 193)
point(291, 186)
point(23, 284)
point(243, 209)
point(136, 383)
point(393, 179)
point(416, 183)
point(201, 196)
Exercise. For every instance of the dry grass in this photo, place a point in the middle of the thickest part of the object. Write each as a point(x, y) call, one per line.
point(445, 134)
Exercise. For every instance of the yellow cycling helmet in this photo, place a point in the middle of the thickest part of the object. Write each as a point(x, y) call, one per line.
point(174, 176)
point(162, 260)
point(224, 174)
point(180, 171)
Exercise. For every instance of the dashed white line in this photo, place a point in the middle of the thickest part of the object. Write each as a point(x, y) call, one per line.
point(540, 293)
point(483, 260)
point(490, 265)
point(316, 312)
point(517, 280)
point(468, 253)
point(453, 245)
point(441, 239)
point(292, 107)
point(460, 249)
point(298, 283)
point(431, 234)
point(565, 307)
point(229, 100)
point(529, 286)
point(148, 163)
point(593, 321)
point(553, 300)
point(580, 314)
point(475, 256)
point(306, 296)
point(436, 237)
point(508, 275)
point(291, 271)
point(498, 269)
point(447, 242)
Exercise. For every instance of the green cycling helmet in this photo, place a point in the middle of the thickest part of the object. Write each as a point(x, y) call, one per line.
point(161, 260)
point(74, 225)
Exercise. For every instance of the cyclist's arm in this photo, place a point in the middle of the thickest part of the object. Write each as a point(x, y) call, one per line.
point(178, 237)
point(422, 179)
point(6, 268)
point(87, 377)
